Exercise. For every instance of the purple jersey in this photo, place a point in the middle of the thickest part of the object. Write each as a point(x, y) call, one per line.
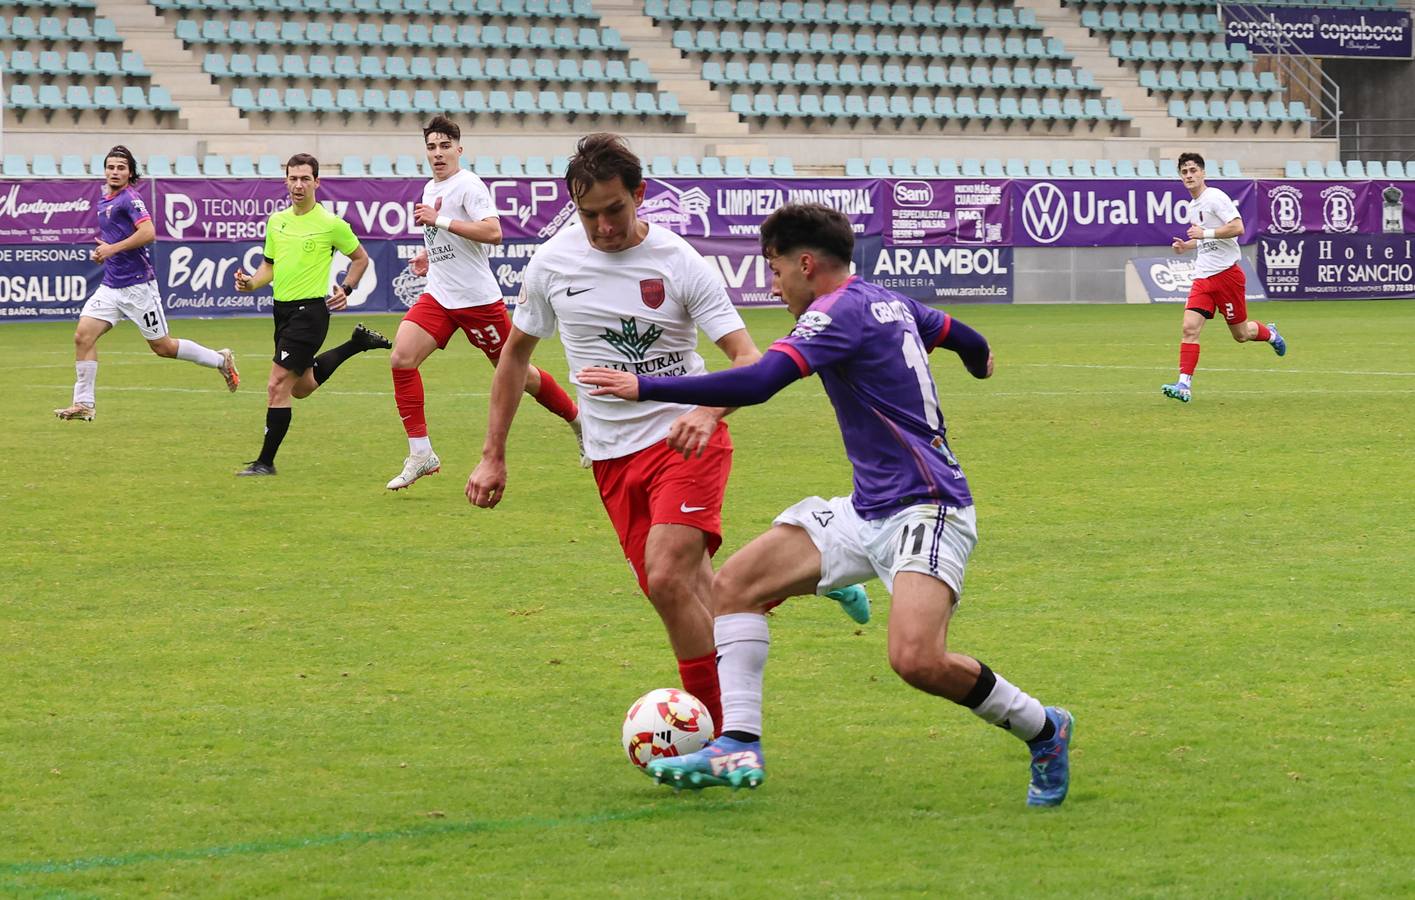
point(870, 347)
point(118, 218)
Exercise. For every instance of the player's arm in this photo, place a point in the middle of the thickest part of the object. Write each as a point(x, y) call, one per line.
point(1182, 246)
point(1231, 229)
point(487, 483)
point(748, 385)
point(970, 346)
point(143, 234)
point(483, 231)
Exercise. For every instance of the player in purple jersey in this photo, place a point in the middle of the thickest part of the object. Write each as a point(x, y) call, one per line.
point(129, 289)
point(910, 519)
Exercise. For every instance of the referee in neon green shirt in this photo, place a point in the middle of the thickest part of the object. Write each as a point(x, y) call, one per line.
point(299, 250)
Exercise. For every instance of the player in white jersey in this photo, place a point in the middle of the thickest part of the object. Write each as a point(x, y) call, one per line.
point(459, 223)
point(632, 296)
point(1219, 284)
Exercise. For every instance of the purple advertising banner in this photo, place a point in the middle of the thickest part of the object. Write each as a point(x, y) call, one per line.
point(1338, 266)
point(736, 207)
point(929, 212)
point(1322, 207)
point(1075, 212)
point(1319, 30)
point(53, 211)
point(46, 281)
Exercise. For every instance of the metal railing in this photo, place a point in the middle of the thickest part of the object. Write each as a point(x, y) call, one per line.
point(1300, 72)
point(1382, 139)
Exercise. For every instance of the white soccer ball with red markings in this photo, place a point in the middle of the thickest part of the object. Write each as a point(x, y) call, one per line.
point(665, 722)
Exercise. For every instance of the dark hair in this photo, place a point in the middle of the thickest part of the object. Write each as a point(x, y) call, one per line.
point(808, 226)
point(303, 159)
point(602, 157)
point(442, 125)
point(1194, 158)
point(127, 156)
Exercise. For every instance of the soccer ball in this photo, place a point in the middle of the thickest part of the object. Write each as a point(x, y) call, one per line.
point(665, 722)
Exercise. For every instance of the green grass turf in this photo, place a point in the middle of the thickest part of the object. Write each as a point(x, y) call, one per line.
point(309, 686)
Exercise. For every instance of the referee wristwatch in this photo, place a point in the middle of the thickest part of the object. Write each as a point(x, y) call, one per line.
point(348, 289)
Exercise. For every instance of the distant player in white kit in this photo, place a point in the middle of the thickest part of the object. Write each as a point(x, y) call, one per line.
point(459, 222)
point(129, 289)
point(1219, 285)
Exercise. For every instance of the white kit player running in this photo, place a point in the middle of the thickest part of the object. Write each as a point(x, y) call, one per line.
point(129, 289)
point(459, 223)
point(1219, 284)
point(631, 296)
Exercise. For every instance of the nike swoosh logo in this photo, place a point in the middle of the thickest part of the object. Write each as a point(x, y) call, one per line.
point(683, 507)
point(571, 292)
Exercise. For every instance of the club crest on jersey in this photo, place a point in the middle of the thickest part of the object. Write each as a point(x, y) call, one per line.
point(652, 292)
point(810, 324)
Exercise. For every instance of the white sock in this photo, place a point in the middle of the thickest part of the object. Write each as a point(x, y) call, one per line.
point(742, 643)
point(86, 373)
point(1011, 708)
point(419, 446)
point(1184, 379)
point(191, 351)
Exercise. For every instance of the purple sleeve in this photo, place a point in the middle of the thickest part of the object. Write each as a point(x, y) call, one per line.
point(745, 386)
point(970, 346)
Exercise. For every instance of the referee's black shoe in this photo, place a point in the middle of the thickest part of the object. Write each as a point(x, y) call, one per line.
point(256, 467)
point(369, 339)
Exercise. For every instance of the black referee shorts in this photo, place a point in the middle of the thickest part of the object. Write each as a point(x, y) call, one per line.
point(300, 329)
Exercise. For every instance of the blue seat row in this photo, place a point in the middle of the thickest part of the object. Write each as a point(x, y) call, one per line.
point(893, 75)
point(772, 43)
point(1141, 50)
point(579, 9)
point(425, 68)
point(425, 102)
point(50, 28)
point(948, 106)
point(73, 62)
point(900, 167)
point(1225, 79)
point(1352, 168)
point(51, 97)
point(1238, 112)
point(367, 34)
point(1131, 22)
point(771, 12)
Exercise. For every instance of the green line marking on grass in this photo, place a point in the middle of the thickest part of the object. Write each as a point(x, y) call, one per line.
point(287, 844)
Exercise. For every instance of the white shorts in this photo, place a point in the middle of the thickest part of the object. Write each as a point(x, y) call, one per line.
point(139, 302)
point(931, 539)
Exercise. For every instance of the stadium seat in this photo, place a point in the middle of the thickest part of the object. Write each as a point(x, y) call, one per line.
point(380, 166)
point(734, 167)
point(711, 166)
point(1124, 168)
point(72, 166)
point(1335, 169)
point(1104, 168)
point(44, 165)
point(158, 166)
point(242, 166)
point(1229, 168)
point(352, 166)
point(1082, 168)
point(95, 165)
point(186, 167)
point(214, 166)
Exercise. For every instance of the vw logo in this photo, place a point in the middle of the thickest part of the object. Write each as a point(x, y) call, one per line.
point(1044, 212)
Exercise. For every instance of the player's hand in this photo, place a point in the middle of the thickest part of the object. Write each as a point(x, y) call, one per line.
point(487, 483)
point(337, 299)
point(101, 251)
point(609, 382)
point(1178, 245)
point(419, 264)
point(425, 215)
point(989, 368)
point(1195, 232)
point(243, 281)
point(690, 432)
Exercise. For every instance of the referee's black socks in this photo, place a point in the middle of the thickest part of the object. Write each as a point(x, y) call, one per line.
point(329, 360)
point(277, 422)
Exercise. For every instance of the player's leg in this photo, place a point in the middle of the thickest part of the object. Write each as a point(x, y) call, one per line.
point(1199, 310)
point(926, 550)
point(486, 327)
point(86, 334)
point(143, 305)
point(673, 558)
point(1234, 307)
point(425, 328)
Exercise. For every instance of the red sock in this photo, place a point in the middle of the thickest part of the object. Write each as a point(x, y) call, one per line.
point(553, 397)
point(700, 679)
point(1264, 332)
point(1188, 358)
point(408, 394)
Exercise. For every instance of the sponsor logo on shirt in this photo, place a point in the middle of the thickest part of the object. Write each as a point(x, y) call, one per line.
point(629, 342)
point(810, 325)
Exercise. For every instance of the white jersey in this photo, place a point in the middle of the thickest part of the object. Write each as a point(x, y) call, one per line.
point(459, 272)
point(638, 310)
point(1214, 209)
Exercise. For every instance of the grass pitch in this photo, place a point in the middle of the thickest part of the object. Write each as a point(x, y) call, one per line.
point(308, 686)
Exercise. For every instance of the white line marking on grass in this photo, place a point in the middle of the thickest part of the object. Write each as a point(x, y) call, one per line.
point(1204, 368)
point(182, 390)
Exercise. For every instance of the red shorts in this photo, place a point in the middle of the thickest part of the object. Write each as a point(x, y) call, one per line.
point(1224, 292)
point(657, 486)
point(485, 326)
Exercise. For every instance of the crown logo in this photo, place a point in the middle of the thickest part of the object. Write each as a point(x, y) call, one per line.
point(1280, 257)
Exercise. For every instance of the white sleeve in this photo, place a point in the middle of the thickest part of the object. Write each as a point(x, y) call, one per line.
point(477, 199)
point(1223, 207)
point(704, 295)
point(534, 315)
